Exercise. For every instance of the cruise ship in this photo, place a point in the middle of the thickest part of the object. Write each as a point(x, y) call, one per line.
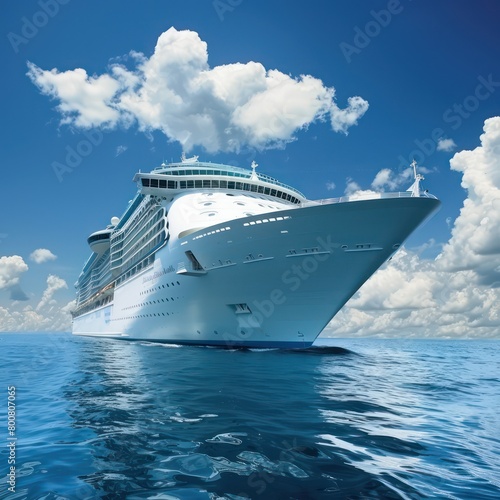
point(217, 255)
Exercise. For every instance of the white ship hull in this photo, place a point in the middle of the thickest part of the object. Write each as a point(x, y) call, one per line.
point(262, 282)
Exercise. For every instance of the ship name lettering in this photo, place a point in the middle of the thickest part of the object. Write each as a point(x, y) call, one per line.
point(157, 274)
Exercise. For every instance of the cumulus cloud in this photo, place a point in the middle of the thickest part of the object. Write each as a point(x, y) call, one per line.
point(402, 285)
point(54, 283)
point(343, 119)
point(458, 293)
point(28, 319)
point(475, 239)
point(353, 190)
point(386, 178)
point(41, 255)
point(224, 108)
point(446, 145)
point(84, 100)
point(11, 269)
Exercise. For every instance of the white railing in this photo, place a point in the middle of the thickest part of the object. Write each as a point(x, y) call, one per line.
point(367, 196)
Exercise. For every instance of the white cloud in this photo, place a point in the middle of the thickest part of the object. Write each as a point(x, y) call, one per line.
point(48, 315)
point(403, 300)
point(29, 320)
point(330, 185)
point(41, 255)
point(353, 190)
point(400, 286)
point(343, 119)
point(84, 100)
point(11, 269)
point(446, 145)
point(456, 295)
point(224, 108)
point(54, 283)
point(120, 150)
point(475, 239)
point(386, 178)
point(351, 187)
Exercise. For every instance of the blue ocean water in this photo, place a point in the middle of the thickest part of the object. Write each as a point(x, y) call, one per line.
point(354, 419)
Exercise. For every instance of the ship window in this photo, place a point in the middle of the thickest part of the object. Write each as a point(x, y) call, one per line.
point(206, 183)
point(190, 184)
point(198, 184)
point(266, 190)
point(215, 184)
point(260, 189)
point(154, 183)
point(145, 182)
point(223, 184)
point(171, 184)
point(230, 185)
point(163, 183)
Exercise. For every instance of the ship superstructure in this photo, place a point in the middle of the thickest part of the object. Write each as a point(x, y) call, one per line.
point(213, 254)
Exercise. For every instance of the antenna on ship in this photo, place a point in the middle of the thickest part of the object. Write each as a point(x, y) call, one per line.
point(415, 187)
point(254, 177)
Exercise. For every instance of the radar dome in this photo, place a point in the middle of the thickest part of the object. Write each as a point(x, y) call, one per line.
point(115, 220)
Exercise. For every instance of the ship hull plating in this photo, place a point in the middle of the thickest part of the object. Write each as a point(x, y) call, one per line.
point(271, 280)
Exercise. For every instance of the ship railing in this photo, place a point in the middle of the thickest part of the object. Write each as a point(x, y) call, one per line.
point(107, 291)
point(365, 196)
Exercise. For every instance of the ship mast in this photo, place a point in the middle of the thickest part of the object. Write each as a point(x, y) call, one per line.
point(254, 176)
point(415, 187)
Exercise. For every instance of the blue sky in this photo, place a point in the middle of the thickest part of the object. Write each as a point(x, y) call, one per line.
point(426, 78)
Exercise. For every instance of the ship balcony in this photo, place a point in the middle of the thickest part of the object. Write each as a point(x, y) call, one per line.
point(192, 267)
point(99, 241)
point(187, 269)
